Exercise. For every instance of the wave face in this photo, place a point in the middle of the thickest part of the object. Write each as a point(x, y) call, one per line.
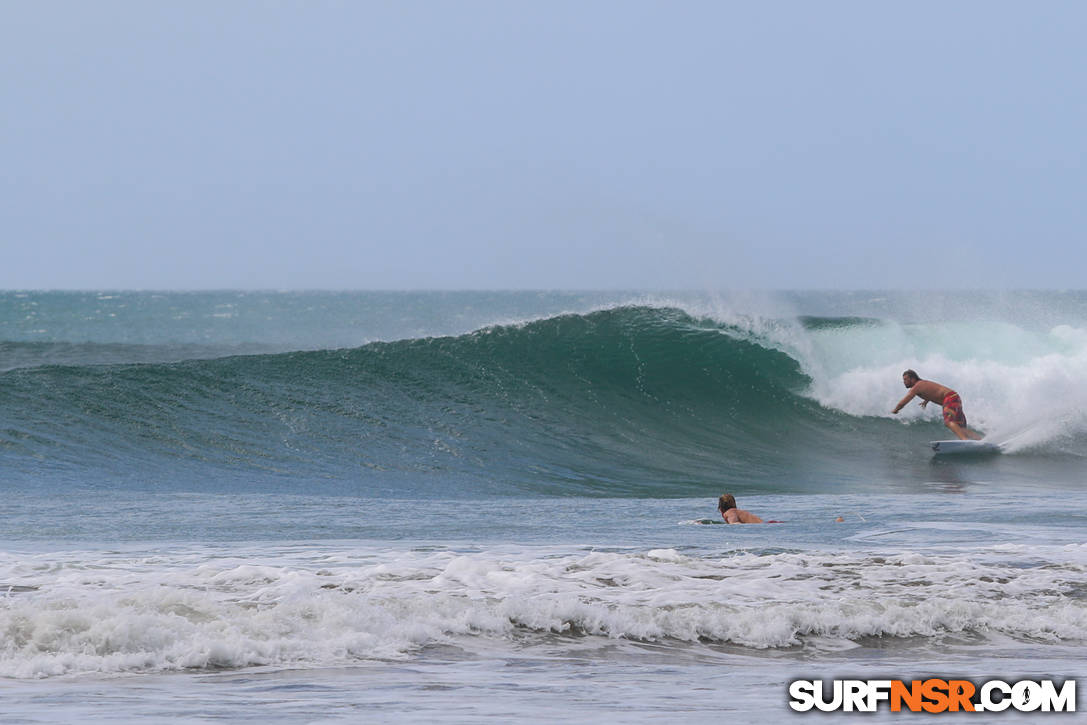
point(614, 401)
point(637, 399)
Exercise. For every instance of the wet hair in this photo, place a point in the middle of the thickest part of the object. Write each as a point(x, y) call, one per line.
point(726, 502)
point(911, 373)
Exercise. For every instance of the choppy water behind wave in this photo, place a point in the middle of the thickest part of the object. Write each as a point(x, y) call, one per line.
point(642, 398)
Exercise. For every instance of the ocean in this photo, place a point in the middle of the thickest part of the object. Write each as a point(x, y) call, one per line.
point(296, 507)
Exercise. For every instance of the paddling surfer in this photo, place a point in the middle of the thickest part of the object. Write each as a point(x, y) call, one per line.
point(930, 391)
point(732, 515)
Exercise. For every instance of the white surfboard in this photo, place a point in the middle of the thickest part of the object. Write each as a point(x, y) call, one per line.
point(958, 447)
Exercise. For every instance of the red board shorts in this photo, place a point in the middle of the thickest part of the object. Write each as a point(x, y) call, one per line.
point(953, 409)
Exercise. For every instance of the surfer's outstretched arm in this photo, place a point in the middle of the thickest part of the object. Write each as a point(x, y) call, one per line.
point(902, 403)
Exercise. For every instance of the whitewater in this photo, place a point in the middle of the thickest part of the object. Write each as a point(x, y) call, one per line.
point(500, 506)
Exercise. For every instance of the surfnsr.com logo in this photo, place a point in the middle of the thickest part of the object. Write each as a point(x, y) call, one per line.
point(933, 695)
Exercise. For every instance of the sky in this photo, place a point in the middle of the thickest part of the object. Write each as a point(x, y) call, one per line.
point(558, 144)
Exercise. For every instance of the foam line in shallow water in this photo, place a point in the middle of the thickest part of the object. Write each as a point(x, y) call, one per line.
point(167, 611)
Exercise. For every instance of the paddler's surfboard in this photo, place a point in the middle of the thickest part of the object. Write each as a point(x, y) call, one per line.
point(957, 447)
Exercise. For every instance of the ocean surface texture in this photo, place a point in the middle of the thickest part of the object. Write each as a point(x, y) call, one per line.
point(493, 507)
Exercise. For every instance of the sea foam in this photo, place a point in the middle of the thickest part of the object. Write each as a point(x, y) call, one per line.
point(162, 613)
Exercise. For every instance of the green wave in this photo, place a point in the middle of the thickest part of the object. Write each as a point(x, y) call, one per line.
point(623, 401)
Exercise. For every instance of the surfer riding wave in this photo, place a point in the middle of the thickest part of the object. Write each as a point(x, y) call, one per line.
point(932, 392)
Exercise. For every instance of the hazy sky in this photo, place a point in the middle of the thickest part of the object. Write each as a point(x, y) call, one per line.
point(548, 144)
